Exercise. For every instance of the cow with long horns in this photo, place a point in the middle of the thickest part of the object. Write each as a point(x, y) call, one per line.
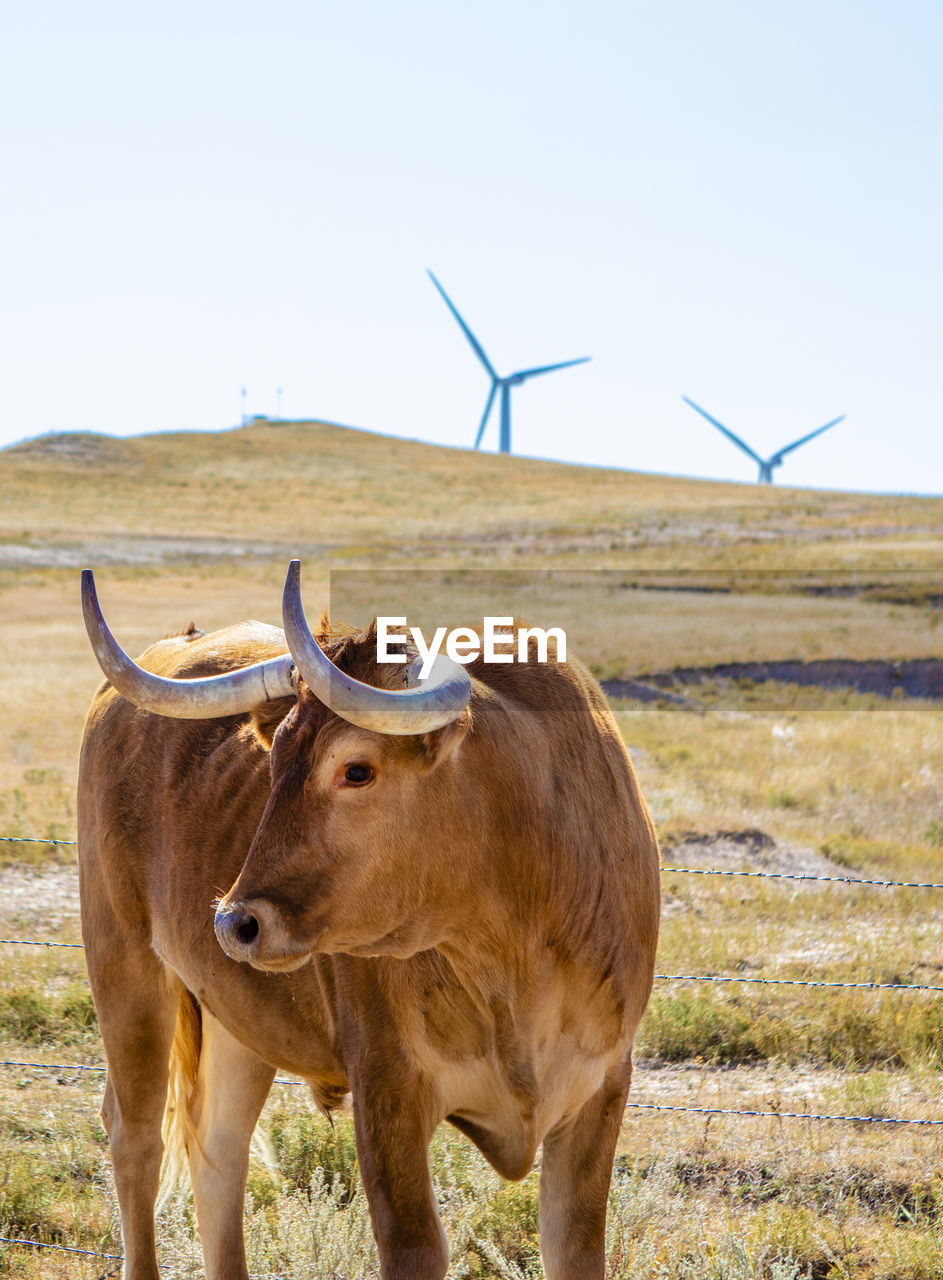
point(442, 898)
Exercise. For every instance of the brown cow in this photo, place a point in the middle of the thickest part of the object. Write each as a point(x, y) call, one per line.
point(445, 902)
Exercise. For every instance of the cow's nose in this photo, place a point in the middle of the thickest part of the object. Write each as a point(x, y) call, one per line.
point(238, 929)
point(254, 931)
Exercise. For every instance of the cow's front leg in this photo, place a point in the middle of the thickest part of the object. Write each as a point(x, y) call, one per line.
point(575, 1174)
point(136, 999)
point(394, 1122)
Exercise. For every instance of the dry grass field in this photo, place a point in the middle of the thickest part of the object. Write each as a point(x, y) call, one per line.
point(646, 573)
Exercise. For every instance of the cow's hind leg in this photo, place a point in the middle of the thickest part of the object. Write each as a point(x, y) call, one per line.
point(575, 1174)
point(136, 999)
point(231, 1087)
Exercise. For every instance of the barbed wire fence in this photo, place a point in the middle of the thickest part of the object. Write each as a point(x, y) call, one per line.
point(926, 1123)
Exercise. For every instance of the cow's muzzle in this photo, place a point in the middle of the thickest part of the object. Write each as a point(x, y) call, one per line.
point(253, 932)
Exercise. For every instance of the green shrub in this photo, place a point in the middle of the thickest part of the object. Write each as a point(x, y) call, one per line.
point(689, 1025)
point(851, 1030)
point(31, 1016)
point(506, 1231)
point(307, 1142)
point(933, 835)
point(24, 1198)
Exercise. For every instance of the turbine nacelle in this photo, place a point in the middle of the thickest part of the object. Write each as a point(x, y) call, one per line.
point(505, 383)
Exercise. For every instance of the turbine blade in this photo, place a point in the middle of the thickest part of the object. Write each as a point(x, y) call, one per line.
point(812, 434)
point(742, 444)
point(484, 416)
point(548, 368)
point(475, 344)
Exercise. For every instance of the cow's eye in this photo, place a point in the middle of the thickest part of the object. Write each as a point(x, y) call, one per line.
point(358, 774)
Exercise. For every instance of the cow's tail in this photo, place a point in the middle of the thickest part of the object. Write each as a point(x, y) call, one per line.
point(178, 1130)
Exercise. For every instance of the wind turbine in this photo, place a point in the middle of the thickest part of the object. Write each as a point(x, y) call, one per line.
point(512, 379)
point(766, 465)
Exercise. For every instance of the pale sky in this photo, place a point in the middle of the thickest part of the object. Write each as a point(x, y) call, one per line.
point(739, 202)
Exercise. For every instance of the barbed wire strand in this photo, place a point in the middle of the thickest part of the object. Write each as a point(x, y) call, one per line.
point(647, 1106)
point(30, 942)
point(62, 1248)
point(96, 1069)
point(52, 1066)
point(34, 840)
point(778, 1115)
point(687, 871)
point(787, 875)
point(659, 977)
point(797, 982)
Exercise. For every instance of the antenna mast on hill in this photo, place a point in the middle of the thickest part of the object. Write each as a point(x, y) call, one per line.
point(505, 384)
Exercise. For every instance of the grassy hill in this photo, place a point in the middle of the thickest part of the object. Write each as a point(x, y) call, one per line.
point(310, 489)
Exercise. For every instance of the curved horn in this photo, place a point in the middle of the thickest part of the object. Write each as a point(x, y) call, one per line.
point(443, 696)
point(229, 694)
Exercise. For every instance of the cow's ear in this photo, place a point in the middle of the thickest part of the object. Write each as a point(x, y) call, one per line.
point(440, 743)
point(266, 719)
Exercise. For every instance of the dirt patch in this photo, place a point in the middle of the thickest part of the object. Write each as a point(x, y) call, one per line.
point(41, 900)
point(140, 550)
point(915, 678)
point(635, 691)
point(745, 850)
point(82, 448)
point(777, 1179)
point(780, 1087)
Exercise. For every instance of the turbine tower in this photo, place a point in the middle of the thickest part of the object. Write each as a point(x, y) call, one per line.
point(512, 379)
point(766, 465)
